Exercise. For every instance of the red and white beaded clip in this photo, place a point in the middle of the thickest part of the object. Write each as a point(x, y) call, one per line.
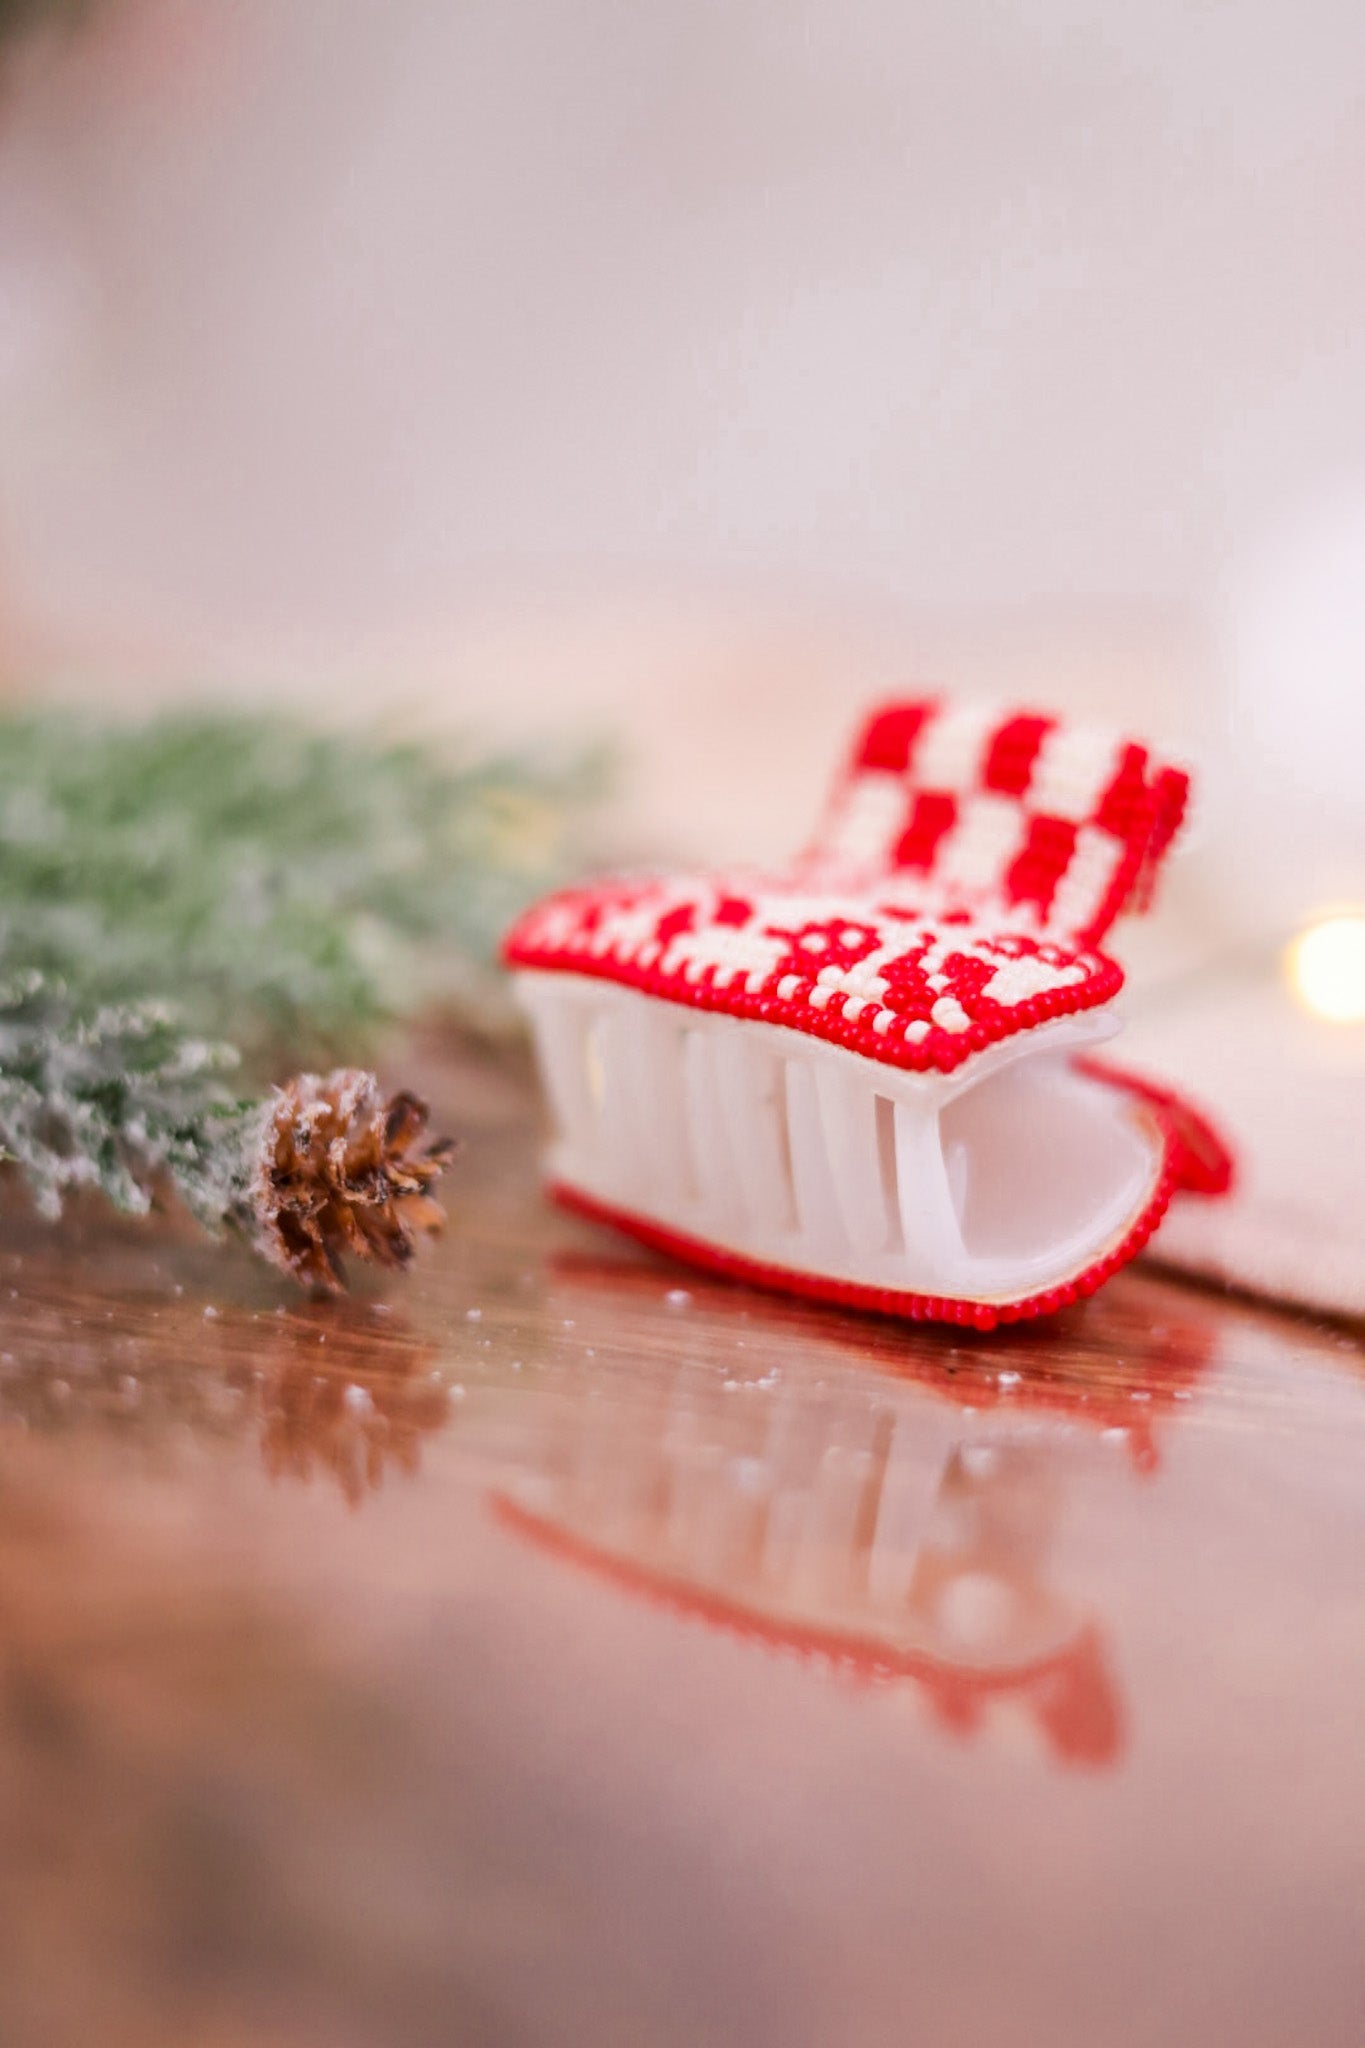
point(859, 1077)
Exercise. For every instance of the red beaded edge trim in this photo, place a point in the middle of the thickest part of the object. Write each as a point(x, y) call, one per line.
point(939, 1051)
point(1131, 886)
point(1206, 1164)
point(860, 1655)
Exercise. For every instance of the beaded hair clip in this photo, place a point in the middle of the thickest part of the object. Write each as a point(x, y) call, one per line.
point(865, 1077)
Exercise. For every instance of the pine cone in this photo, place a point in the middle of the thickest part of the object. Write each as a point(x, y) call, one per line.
point(339, 1169)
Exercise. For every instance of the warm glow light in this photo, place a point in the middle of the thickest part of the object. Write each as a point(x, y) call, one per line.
point(1327, 969)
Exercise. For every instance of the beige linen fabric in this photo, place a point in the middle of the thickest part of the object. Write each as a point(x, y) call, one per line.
point(1288, 1093)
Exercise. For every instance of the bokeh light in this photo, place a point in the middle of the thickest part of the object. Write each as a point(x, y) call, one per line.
point(1327, 968)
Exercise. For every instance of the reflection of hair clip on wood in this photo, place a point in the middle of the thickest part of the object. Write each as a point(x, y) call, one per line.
point(1124, 1374)
point(901, 1553)
point(859, 1079)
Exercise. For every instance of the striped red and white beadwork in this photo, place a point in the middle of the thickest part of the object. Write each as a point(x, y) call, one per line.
point(1059, 826)
point(955, 895)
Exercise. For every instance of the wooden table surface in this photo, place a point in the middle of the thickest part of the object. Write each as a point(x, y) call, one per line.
point(563, 1648)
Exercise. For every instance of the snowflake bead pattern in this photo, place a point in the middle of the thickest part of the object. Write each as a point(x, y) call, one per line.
point(894, 984)
point(967, 867)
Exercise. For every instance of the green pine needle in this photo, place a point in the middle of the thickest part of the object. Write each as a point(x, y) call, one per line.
point(121, 1100)
point(288, 889)
point(170, 886)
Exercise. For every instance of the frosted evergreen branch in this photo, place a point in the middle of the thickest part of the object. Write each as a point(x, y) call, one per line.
point(296, 889)
point(121, 1100)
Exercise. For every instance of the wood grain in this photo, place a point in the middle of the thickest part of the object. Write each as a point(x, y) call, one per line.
point(565, 1648)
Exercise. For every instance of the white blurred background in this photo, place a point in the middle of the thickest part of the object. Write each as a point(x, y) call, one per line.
point(690, 372)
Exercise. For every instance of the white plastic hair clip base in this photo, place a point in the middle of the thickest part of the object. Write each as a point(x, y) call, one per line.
point(995, 1183)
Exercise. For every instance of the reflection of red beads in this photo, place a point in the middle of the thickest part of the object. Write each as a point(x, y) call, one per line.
point(1069, 1691)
